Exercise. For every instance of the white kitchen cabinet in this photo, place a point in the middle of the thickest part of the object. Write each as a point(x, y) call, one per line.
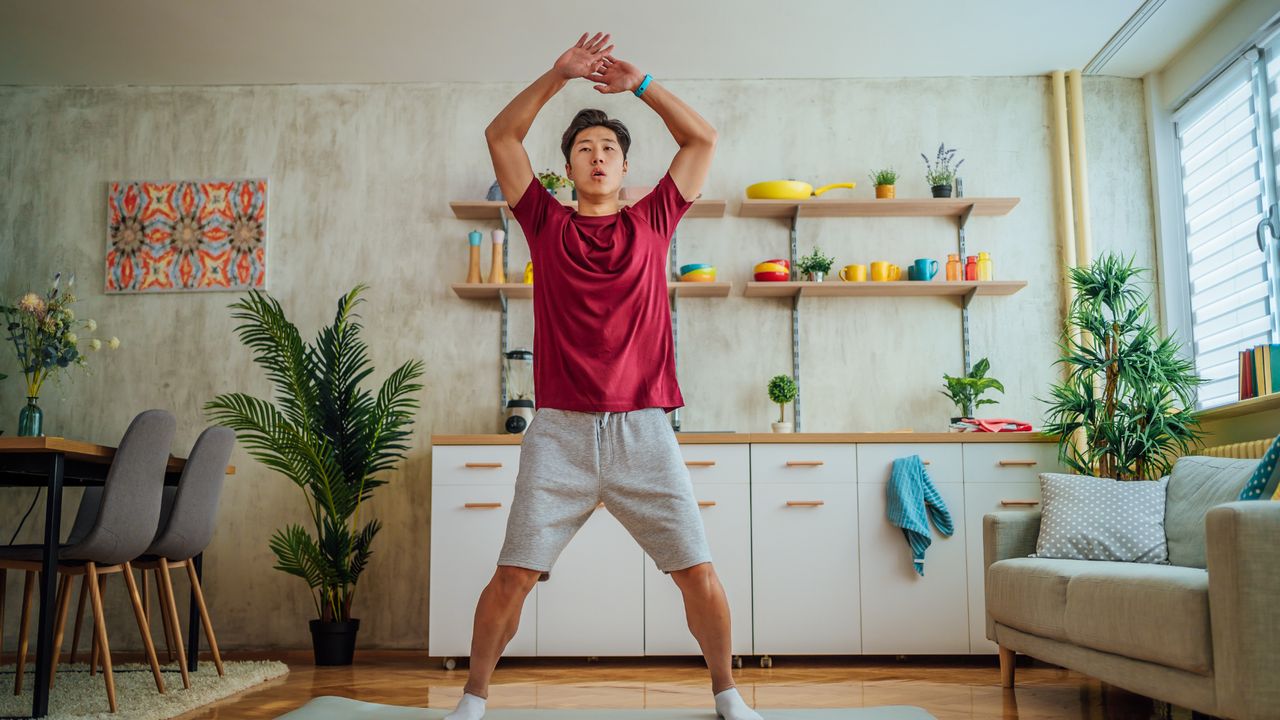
point(805, 556)
point(721, 479)
point(593, 604)
point(802, 462)
point(468, 523)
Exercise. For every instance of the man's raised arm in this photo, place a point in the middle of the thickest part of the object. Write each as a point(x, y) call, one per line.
point(506, 133)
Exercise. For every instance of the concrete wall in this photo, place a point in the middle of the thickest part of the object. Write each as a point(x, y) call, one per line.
point(360, 179)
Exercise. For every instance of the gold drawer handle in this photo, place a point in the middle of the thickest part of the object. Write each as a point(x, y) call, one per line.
point(926, 462)
point(700, 463)
point(706, 503)
point(482, 506)
point(1025, 463)
point(1022, 503)
point(599, 505)
point(804, 463)
point(805, 503)
point(486, 465)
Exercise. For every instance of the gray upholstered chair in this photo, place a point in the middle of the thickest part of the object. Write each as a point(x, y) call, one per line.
point(186, 533)
point(124, 527)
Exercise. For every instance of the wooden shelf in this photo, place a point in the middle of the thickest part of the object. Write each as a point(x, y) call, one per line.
point(897, 207)
point(483, 291)
point(1241, 407)
point(493, 209)
point(896, 288)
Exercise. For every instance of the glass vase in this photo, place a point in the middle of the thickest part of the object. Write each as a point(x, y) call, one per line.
point(31, 419)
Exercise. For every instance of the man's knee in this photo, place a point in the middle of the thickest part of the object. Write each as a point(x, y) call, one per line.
point(512, 580)
point(698, 578)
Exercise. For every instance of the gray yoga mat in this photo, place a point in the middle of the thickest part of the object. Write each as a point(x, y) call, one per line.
point(336, 708)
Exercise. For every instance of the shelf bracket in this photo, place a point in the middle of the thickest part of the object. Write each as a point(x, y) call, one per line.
point(502, 376)
point(795, 222)
point(964, 216)
point(795, 355)
point(968, 297)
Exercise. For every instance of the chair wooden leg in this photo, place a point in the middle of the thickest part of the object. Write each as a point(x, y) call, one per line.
point(4, 578)
point(146, 597)
point(165, 620)
point(166, 582)
point(95, 661)
point(1006, 666)
point(198, 593)
point(75, 636)
point(100, 626)
point(60, 613)
point(28, 589)
point(142, 626)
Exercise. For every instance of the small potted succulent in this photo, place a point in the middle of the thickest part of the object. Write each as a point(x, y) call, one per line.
point(815, 265)
point(557, 184)
point(941, 174)
point(964, 390)
point(884, 181)
point(782, 390)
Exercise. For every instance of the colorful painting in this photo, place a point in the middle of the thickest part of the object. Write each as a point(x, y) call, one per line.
point(186, 235)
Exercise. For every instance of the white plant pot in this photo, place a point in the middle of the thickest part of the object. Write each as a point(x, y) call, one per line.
point(782, 427)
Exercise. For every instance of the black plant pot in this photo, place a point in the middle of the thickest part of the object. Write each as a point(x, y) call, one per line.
point(334, 643)
point(941, 191)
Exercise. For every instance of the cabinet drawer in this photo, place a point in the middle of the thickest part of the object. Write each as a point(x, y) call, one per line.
point(942, 460)
point(1009, 462)
point(469, 464)
point(718, 463)
point(980, 499)
point(803, 462)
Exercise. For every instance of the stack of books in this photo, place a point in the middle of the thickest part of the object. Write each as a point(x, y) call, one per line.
point(1259, 371)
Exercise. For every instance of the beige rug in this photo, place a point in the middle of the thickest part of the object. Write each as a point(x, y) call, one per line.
point(336, 708)
point(78, 696)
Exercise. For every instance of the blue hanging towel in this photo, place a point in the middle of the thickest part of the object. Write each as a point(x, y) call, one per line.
point(911, 497)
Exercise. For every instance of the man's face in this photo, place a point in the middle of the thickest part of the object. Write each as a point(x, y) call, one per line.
point(596, 165)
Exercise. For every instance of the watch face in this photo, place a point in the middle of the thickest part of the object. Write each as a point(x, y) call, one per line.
point(516, 424)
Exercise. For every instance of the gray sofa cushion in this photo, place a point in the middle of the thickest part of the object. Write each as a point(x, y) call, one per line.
point(1147, 612)
point(1030, 594)
point(1196, 484)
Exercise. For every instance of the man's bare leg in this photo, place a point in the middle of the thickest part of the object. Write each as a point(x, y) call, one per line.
point(497, 619)
point(707, 611)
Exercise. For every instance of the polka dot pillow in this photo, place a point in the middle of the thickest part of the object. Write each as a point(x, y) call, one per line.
point(1088, 518)
point(1263, 484)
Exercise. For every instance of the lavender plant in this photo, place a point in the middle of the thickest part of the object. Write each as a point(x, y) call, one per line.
point(941, 171)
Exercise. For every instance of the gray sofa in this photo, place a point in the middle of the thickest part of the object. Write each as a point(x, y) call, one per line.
point(1202, 632)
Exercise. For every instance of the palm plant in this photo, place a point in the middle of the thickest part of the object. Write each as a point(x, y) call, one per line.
point(1128, 391)
point(328, 435)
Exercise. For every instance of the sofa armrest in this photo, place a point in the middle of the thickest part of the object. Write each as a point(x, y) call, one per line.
point(1242, 546)
point(1007, 534)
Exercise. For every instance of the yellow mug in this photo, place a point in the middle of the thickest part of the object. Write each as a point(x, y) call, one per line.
point(528, 273)
point(853, 273)
point(882, 271)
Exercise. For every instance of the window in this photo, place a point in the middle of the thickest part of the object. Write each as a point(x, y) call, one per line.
point(1226, 138)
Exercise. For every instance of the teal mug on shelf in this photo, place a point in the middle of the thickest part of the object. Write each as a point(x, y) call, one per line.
point(922, 269)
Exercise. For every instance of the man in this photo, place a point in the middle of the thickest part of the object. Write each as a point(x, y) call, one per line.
point(604, 366)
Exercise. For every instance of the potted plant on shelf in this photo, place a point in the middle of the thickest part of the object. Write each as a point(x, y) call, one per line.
point(940, 174)
point(966, 390)
point(884, 181)
point(782, 390)
point(557, 184)
point(1125, 411)
point(815, 265)
point(42, 329)
point(334, 439)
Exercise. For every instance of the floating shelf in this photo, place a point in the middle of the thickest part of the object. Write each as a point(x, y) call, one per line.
point(492, 209)
point(895, 288)
point(523, 291)
point(897, 207)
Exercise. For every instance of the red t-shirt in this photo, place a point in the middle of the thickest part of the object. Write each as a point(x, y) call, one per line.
point(601, 318)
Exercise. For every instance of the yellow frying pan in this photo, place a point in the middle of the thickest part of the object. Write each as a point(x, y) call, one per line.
point(789, 189)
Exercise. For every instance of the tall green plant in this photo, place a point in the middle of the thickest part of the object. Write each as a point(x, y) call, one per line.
point(328, 435)
point(1128, 390)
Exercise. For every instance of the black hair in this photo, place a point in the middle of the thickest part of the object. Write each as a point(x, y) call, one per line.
point(589, 118)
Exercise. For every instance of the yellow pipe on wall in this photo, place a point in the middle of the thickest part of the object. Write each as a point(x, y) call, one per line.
point(1066, 206)
point(1080, 171)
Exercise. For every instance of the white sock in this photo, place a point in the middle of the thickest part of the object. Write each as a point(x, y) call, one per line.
point(731, 706)
point(470, 707)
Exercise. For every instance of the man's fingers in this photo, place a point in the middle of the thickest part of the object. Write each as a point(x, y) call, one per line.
point(598, 41)
point(606, 50)
point(581, 41)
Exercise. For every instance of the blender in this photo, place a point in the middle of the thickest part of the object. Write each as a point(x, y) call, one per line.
point(517, 368)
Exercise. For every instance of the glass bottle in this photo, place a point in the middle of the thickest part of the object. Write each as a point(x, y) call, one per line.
point(984, 266)
point(971, 268)
point(954, 271)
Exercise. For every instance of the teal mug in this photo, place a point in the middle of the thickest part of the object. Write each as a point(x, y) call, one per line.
point(922, 269)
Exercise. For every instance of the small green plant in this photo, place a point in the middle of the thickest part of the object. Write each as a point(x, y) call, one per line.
point(782, 390)
point(964, 390)
point(941, 171)
point(815, 262)
point(553, 181)
point(1130, 392)
point(887, 176)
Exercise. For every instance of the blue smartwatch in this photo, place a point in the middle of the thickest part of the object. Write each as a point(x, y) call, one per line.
point(643, 84)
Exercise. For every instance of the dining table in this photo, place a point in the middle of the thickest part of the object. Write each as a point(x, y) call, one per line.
point(50, 464)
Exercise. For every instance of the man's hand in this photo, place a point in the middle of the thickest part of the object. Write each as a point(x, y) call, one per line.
point(583, 59)
point(615, 76)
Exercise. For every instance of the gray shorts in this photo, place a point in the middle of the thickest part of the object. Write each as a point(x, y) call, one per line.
point(571, 461)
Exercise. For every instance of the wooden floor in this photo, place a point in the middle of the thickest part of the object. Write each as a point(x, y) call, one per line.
point(949, 688)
